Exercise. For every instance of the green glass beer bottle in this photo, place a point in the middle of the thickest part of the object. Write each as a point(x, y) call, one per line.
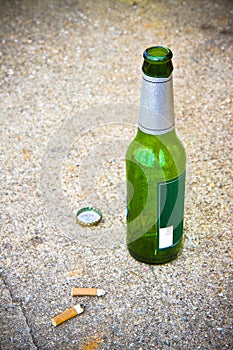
point(155, 167)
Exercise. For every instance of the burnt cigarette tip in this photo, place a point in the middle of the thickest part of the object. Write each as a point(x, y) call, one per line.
point(79, 308)
point(100, 292)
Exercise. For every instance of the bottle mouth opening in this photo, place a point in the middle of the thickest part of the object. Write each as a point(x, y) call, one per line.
point(160, 54)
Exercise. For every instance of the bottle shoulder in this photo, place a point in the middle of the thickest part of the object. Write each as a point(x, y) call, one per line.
point(168, 141)
point(163, 152)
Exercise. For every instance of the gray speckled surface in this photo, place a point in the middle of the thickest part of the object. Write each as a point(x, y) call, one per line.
point(70, 88)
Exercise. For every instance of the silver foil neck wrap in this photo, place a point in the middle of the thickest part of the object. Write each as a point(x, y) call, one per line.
point(156, 114)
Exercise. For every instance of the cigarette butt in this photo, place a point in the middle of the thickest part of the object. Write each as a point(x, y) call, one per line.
point(68, 314)
point(75, 292)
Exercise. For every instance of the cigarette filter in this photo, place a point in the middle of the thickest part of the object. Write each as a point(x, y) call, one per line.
point(87, 292)
point(68, 314)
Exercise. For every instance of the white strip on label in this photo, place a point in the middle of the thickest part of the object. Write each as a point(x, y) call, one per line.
point(165, 237)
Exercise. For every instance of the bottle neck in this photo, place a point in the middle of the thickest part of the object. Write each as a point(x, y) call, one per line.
point(156, 116)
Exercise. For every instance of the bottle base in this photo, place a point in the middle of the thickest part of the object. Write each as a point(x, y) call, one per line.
point(156, 260)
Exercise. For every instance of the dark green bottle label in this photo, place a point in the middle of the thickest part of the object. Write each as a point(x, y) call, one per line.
point(170, 212)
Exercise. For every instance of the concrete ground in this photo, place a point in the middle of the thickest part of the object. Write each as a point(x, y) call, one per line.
point(70, 90)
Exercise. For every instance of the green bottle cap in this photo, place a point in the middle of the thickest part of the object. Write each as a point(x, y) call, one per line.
point(88, 216)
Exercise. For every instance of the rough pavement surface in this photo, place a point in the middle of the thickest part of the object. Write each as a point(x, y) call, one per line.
point(70, 89)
